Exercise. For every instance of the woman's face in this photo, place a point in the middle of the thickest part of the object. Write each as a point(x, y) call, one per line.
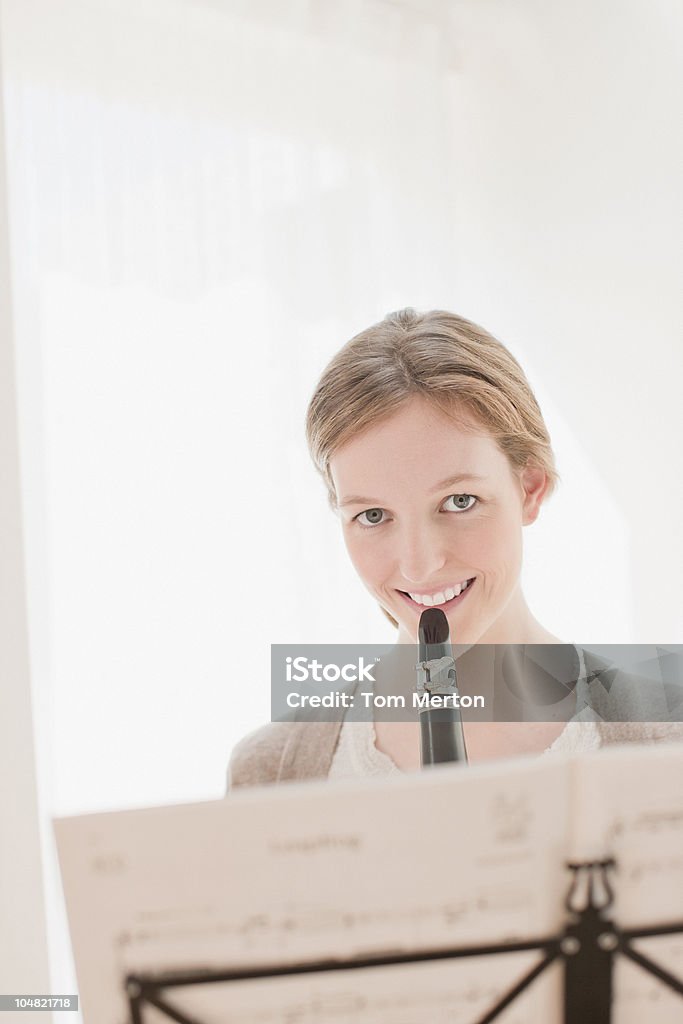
point(432, 516)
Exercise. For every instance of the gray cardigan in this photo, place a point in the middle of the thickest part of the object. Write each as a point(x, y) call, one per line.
point(292, 751)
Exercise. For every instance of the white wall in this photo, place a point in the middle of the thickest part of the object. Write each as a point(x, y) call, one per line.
point(206, 203)
point(23, 947)
point(568, 153)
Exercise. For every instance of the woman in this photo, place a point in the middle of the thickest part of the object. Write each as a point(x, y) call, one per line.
point(435, 456)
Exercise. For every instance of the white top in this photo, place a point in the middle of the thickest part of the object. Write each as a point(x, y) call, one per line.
point(357, 755)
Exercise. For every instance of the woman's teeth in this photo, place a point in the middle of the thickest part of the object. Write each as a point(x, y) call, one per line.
point(441, 596)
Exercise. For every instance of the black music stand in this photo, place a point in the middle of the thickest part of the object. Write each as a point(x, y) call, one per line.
point(587, 945)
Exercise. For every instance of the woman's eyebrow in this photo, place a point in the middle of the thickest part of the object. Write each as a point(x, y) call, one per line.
point(457, 478)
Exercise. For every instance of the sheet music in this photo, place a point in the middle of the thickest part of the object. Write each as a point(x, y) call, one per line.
point(446, 858)
point(627, 803)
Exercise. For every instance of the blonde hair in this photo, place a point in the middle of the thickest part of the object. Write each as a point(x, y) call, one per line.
point(451, 362)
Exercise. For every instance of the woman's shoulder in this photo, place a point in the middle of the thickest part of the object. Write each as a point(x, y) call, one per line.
point(632, 706)
point(283, 752)
point(255, 758)
point(639, 732)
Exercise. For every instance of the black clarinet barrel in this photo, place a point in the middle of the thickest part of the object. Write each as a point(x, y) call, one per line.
point(442, 739)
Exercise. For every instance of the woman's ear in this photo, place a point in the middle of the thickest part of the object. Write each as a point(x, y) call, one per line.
point(534, 481)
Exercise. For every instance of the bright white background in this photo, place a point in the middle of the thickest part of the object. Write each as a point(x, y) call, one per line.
point(206, 200)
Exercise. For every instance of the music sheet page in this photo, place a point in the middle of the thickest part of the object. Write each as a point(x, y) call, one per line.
point(311, 871)
point(627, 803)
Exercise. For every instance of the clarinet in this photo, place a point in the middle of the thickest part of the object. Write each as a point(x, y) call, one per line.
point(442, 739)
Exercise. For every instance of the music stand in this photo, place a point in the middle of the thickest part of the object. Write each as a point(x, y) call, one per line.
point(587, 946)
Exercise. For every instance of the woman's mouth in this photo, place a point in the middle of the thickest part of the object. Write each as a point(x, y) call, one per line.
point(435, 599)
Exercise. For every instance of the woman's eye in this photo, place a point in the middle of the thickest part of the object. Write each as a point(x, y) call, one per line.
point(373, 517)
point(461, 502)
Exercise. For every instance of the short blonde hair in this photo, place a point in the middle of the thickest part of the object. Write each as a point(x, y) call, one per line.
point(451, 362)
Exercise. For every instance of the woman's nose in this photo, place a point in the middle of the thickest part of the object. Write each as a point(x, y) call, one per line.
point(422, 554)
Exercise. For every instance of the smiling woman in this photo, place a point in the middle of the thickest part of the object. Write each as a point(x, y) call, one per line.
point(403, 401)
point(435, 456)
point(419, 545)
